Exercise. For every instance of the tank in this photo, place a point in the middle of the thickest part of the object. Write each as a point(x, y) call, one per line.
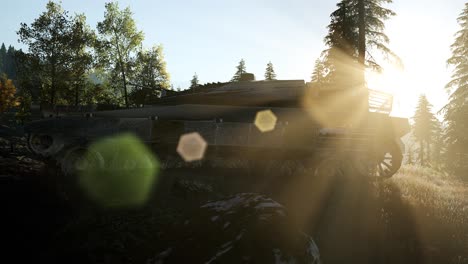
point(253, 121)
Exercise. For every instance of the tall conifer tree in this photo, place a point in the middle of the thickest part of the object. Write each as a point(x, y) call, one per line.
point(456, 111)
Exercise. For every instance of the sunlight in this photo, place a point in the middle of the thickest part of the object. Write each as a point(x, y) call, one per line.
point(332, 109)
point(396, 81)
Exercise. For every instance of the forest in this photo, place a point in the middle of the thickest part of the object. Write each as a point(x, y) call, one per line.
point(70, 63)
point(420, 215)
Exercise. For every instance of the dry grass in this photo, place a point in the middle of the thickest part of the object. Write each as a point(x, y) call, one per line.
point(439, 206)
point(444, 197)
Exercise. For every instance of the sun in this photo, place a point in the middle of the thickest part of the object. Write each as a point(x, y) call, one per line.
point(396, 81)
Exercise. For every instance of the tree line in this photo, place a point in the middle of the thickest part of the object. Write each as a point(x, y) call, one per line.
point(444, 144)
point(241, 69)
point(68, 62)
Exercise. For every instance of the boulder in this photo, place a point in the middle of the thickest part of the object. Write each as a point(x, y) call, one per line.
point(243, 228)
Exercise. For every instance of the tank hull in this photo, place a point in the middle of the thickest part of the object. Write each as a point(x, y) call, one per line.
point(225, 118)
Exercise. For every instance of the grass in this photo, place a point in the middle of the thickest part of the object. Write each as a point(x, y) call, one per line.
point(439, 206)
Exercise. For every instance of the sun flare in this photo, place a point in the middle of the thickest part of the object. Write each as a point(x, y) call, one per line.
point(396, 81)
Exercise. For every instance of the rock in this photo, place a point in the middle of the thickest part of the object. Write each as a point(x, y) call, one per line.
point(244, 228)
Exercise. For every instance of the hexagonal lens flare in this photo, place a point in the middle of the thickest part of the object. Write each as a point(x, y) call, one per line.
point(265, 120)
point(118, 171)
point(191, 147)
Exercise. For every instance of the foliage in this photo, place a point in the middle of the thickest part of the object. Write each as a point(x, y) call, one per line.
point(81, 64)
point(456, 111)
point(194, 82)
point(7, 61)
point(29, 80)
point(58, 42)
point(270, 74)
point(318, 77)
point(319, 72)
point(118, 44)
point(2, 56)
point(23, 113)
point(7, 94)
point(426, 126)
point(356, 29)
point(151, 75)
point(240, 70)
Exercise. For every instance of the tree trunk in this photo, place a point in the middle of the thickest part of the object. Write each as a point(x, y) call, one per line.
point(122, 69)
point(362, 33)
point(125, 88)
point(361, 81)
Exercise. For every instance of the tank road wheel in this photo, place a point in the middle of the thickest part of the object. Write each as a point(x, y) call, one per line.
point(39, 144)
point(76, 160)
point(382, 163)
point(45, 145)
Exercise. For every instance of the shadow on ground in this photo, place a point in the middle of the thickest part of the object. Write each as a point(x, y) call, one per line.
point(351, 219)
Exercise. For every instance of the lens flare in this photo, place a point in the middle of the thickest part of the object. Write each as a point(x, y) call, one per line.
point(192, 147)
point(265, 120)
point(124, 173)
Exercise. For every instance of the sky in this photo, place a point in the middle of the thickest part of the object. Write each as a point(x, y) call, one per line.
point(210, 37)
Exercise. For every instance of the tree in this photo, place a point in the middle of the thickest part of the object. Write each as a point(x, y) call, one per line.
point(456, 111)
point(9, 63)
point(82, 40)
point(7, 94)
point(240, 70)
point(425, 128)
point(354, 33)
point(270, 74)
point(119, 42)
point(151, 75)
point(53, 39)
point(356, 28)
point(319, 73)
point(194, 82)
point(29, 79)
point(437, 147)
point(3, 52)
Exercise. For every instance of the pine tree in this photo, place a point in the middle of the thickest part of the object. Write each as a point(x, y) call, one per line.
point(3, 52)
point(194, 82)
point(319, 73)
point(270, 74)
point(356, 29)
point(240, 70)
point(456, 111)
point(9, 63)
point(424, 128)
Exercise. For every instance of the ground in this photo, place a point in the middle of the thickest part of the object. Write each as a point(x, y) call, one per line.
point(418, 216)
